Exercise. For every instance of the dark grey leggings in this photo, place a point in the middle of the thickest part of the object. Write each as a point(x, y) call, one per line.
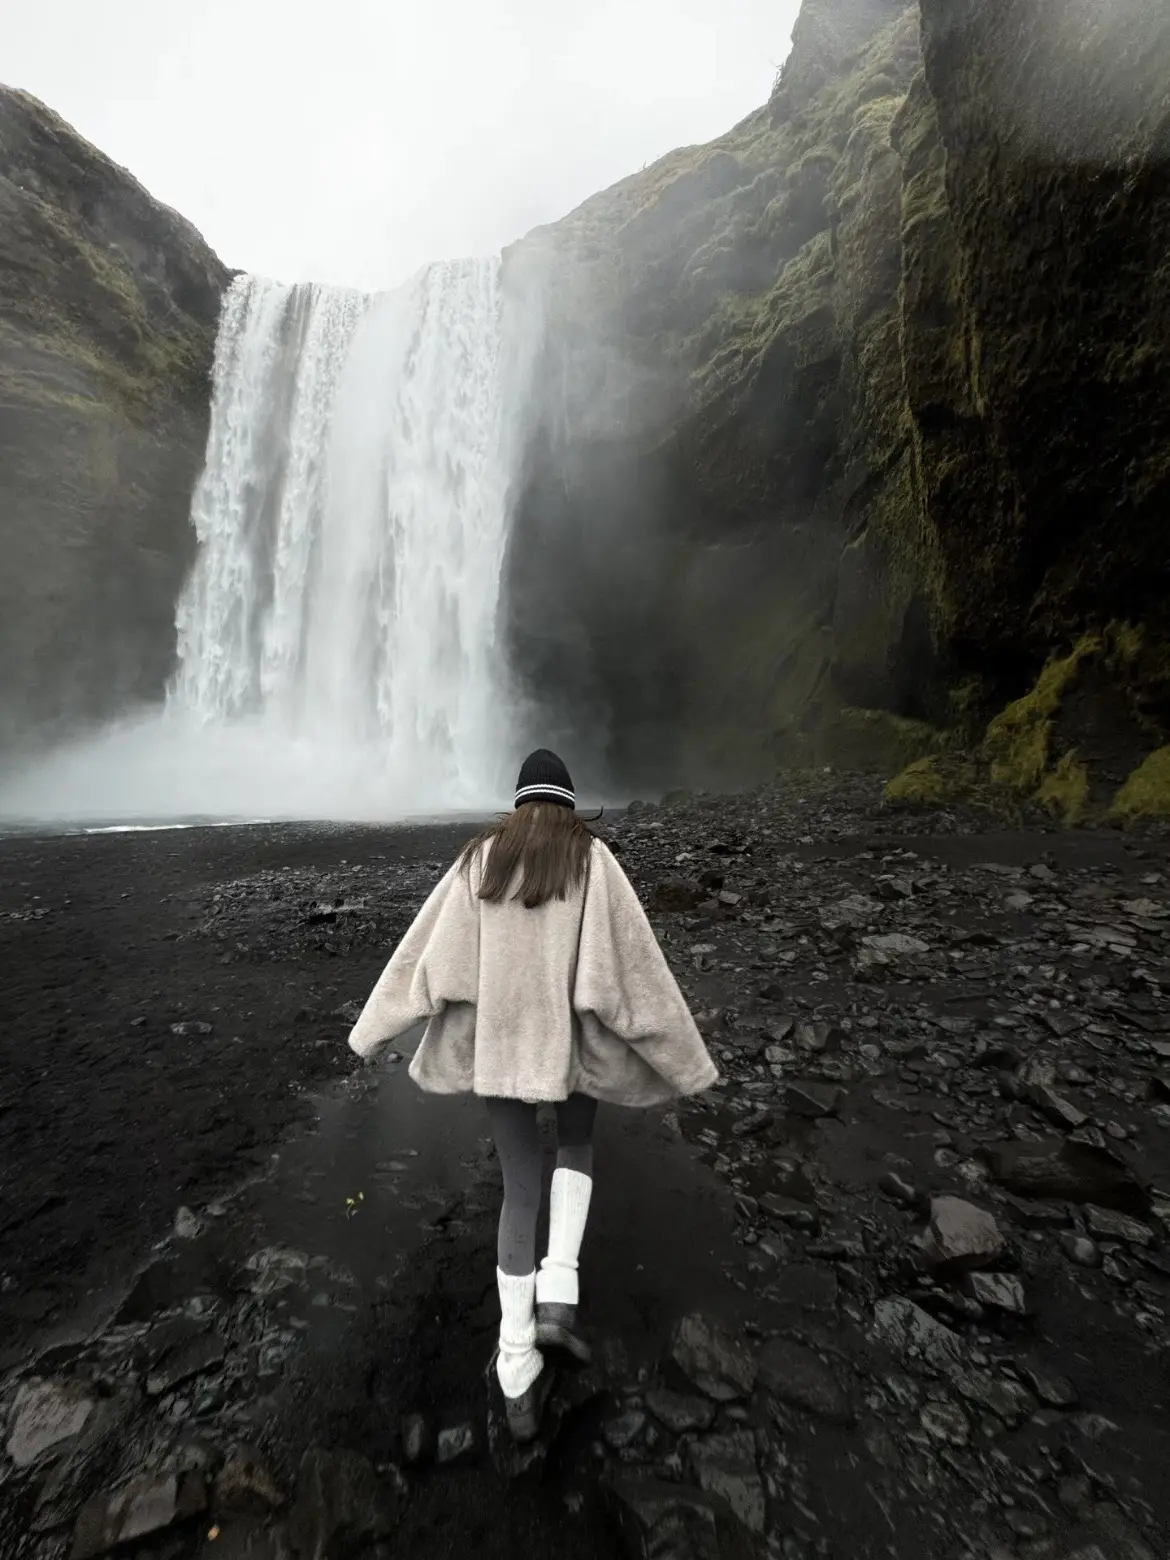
point(517, 1136)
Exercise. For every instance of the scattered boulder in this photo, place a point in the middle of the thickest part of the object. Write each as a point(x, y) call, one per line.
point(1107, 1224)
point(246, 1485)
point(998, 1291)
point(794, 1374)
point(1080, 1249)
point(680, 1412)
point(813, 1100)
point(946, 1422)
point(189, 1357)
point(914, 1334)
point(1048, 1385)
point(340, 1503)
point(1073, 1171)
point(147, 1505)
point(188, 1225)
point(676, 896)
point(961, 1237)
point(711, 1359)
point(662, 1521)
point(727, 1465)
point(456, 1444)
point(418, 1442)
point(45, 1414)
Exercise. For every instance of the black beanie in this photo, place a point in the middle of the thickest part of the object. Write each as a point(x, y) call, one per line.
point(543, 778)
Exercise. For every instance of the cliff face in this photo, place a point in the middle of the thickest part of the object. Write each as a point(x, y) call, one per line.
point(857, 414)
point(108, 310)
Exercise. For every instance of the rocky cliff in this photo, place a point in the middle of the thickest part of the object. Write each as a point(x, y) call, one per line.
point(854, 418)
point(108, 309)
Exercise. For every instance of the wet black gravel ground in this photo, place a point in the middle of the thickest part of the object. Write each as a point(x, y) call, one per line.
point(899, 1286)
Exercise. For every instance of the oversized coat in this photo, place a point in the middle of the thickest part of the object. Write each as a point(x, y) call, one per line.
point(574, 996)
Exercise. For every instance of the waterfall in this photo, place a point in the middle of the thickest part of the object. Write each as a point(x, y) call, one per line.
point(351, 521)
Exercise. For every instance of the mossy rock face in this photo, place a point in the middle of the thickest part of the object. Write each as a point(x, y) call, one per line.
point(108, 312)
point(1146, 794)
point(868, 312)
point(1068, 743)
point(933, 781)
point(1018, 741)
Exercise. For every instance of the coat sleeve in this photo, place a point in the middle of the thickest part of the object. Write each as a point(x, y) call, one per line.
point(435, 963)
point(623, 979)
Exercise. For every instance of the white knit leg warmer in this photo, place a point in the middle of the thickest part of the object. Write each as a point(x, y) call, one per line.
point(520, 1361)
point(556, 1283)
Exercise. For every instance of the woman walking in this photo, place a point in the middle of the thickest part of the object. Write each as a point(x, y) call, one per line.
point(543, 982)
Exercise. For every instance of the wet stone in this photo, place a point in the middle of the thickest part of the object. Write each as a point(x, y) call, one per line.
point(417, 1440)
point(623, 1430)
point(1080, 1250)
point(961, 1237)
point(679, 1412)
point(916, 1335)
point(712, 1359)
point(813, 1100)
point(47, 1413)
point(794, 1374)
point(1050, 1387)
point(815, 1036)
point(187, 1225)
point(895, 945)
point(276, 1268)
point(246, 1485)
point(456, 1444)
point(1053, 1105)
point(1067, 1171)
point(1109, 1225)
point(664, 1521)
point(1005, 1398)
point(726, 1465)
point(191, 1357)
point(797, 1215)
point(999, 1291)
point(899, 1189)
point(946, 1422)
point(143, 1507)
point(340, 1504)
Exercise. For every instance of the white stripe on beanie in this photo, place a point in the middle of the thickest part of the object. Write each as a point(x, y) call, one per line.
point(558, 791)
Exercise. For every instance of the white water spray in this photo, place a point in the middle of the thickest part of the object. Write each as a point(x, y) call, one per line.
point(352, 521)
point(338, 644)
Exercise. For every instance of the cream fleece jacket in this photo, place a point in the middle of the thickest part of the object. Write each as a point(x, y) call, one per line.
point(573, 997)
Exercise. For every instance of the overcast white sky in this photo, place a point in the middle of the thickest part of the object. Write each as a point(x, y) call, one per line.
point(351, 141)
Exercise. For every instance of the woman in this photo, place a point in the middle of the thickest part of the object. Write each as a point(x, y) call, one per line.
point(543, 983)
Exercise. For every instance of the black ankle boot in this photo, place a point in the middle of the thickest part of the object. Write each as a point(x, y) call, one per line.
point(556, 1328)
point(525, 1413)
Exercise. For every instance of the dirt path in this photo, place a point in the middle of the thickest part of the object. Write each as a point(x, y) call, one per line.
point(904, 1011)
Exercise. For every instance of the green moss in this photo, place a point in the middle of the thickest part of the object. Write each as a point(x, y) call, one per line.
point(1017, 744)
point(91, 308)
point(933, 781)
point(876, 739)
point(1146, 794)
point(920, 784)
point(1065, 790)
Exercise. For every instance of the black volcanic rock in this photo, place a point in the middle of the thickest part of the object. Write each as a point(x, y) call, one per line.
point(108, 309)
point(857, 413)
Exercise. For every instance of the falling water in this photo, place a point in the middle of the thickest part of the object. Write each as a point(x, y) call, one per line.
point(351, 518)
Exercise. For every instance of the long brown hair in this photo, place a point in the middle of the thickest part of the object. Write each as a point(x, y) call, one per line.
point(550, 843)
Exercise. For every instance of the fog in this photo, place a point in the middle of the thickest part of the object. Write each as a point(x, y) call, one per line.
point(353, 143)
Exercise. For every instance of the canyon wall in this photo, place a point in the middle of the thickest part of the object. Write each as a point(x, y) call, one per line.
point(108, 310)
point(855, 416)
